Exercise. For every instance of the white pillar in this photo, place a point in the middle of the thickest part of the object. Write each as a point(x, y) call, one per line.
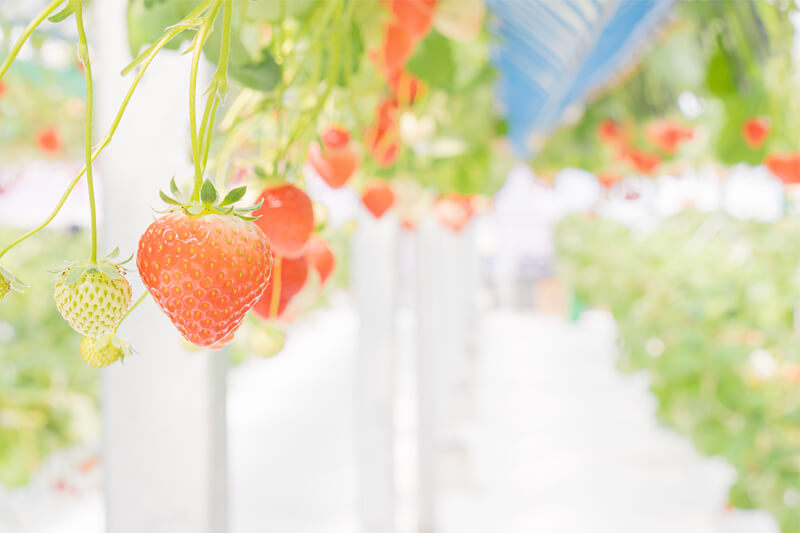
point(164, 432)
point(445, 319)
point(374, 284)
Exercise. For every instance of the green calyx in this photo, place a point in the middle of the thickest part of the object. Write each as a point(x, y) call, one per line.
point(9, 283)
point(108, 266)
point(210, 202)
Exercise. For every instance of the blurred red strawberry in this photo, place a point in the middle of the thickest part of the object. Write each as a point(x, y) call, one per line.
point(49, 141)
point(643, 162)
point(611, 132)
point(3, 88)
point(415, 16)
point(608, 179)
point(405, 87)
point(378, 198)
point(395, 50)
point(785, 167)
point(382, 138)
point(288, 278)
point(454, 211)
point(668, 135)
point(320, 256)
point(755, 131)
point(337, 164)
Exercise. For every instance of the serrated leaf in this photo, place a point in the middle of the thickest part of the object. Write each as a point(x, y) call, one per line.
point(63, 14)
point(234, 196)
point(208, 193)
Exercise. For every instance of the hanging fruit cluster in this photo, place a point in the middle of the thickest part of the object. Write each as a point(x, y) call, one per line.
point(299, 86)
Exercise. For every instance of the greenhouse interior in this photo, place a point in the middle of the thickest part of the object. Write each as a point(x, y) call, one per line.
point(399, 266)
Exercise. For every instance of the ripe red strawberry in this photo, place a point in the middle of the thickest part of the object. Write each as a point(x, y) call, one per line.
point(454, 211)
point(382, 139)
point(755, 131)
point(611, 132)
point(405, 87)
point(396, 48)
point(286, 218)
point(608, 179)
point(205, 272)
point(339, 161)
point(668, 135)
point(415, 16)
point(320, 256)
point(643, 162)
point(49, 141)
point(785, 166)
point(378, 198)
point(289, 278)
point(3, 88)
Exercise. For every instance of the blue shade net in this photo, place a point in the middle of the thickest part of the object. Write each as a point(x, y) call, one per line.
point(551, 54)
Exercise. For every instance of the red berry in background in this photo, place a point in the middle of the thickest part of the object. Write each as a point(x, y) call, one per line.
point(755, 131)
point(396, 48)
point(643, 162)
point(204, 272)
point(405, 87)
point(668, 135)
point(3, 88)
point(320, 256)
point(49, 141)
point(286, 218)
point(382, 138)
point(610, 132)
point(288, 279)
point(415, 16)
point(337, 164)
point(785, 166)
point(378, 198)
point(608, 179)
point(453, 211)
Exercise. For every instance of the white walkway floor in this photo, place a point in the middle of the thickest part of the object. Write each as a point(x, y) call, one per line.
point(554, 440)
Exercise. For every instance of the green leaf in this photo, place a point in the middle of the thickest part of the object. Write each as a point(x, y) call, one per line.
point(234, 196)
point(167, 199)
point(108, 270)
point(272, 11)
point(63, 14)
point(173, 187)
point(208, 193)
point(433, 62)
point(719, 76)
point(147, 20)
point(74, 274)
point(114, 254)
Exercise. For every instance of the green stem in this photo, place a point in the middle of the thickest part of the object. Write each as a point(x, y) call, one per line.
point(219, 86)
point(52, 6)
point(83, 52)
point(199, 42)
point(130, 310)
point(165, 39)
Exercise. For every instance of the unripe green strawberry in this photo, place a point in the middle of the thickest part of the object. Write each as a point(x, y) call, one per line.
point(9, 283)
point(92, 298)
point(102, 351)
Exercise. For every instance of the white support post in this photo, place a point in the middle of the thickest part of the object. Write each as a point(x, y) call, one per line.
point(164, 430)
point(445, 314)
point(374, 268)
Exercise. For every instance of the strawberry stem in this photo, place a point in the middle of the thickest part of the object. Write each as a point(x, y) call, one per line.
point(274, 303)
point(130, 310)
point(35, 23)
point(83, 53)
point(147, 57)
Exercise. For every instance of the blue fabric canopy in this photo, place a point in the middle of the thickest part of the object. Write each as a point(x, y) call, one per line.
point(552, 53)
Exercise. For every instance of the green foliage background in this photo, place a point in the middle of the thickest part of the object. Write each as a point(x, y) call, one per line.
point(698, 302)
